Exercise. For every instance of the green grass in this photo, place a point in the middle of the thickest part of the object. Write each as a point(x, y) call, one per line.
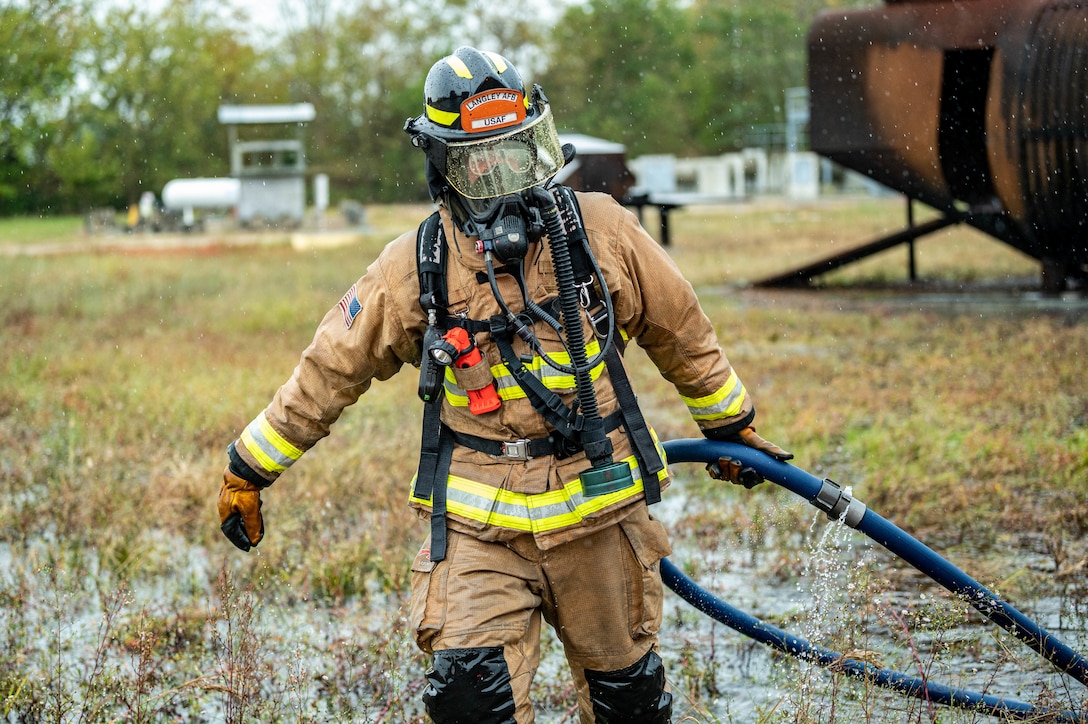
point(34, 230)
point(123, 377)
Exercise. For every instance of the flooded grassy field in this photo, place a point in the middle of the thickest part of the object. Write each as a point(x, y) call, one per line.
point(955, 406)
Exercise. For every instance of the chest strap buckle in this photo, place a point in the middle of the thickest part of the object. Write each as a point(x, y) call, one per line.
point(516, 450)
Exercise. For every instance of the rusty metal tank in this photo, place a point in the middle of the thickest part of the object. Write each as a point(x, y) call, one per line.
point(975, 107)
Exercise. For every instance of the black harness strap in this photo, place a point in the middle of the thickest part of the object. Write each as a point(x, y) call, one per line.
point(531, 448)
point(649, 460)
point(438, 498)
point(436, 452)
point(547, 403)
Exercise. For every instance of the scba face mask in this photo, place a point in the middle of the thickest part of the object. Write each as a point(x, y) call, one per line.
point(506, 227)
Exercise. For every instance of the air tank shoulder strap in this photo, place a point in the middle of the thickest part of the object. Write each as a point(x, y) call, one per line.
point(436, 448)
point(431, 263)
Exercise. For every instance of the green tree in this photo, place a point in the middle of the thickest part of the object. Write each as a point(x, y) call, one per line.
point(41, 40)
point(363, 69)
point(663, 76)
point(614, 71)
point(154, 83)
point(100, 101)
point(748, 53)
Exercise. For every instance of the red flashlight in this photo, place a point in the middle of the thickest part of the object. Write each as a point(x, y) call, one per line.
point(457, 348)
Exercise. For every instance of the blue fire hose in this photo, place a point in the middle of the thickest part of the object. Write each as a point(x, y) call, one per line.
point(830, 498)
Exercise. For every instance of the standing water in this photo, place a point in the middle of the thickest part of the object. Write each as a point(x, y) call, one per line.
point(835, 588)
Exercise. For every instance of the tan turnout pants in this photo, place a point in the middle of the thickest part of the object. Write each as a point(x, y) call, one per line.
point(601, 594)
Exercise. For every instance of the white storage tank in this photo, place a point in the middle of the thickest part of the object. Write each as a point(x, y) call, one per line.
point(201, 193)
point(188, 194)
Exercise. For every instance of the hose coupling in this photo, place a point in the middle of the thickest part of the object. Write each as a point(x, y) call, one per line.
point(838, 505)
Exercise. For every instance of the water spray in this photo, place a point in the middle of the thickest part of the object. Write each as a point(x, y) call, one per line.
point(830, 498)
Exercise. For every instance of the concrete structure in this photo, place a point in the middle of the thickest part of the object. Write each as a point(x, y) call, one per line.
point(270, 171)
point(730, 176)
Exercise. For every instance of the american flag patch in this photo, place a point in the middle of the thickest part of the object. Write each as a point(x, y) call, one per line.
point(349, 305)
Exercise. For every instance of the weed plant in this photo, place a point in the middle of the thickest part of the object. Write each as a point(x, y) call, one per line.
point(954, 406)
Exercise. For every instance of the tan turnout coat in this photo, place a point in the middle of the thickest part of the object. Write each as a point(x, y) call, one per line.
point(378, 328)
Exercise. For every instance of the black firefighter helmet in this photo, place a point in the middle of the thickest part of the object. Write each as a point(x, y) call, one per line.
point(483, 136)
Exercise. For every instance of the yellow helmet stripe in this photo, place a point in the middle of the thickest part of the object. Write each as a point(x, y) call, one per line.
point(497, 60)
point(458, 66)
point(443, 118)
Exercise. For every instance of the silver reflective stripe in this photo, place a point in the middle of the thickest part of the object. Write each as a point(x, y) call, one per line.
point(274, 453)
point(726, 402)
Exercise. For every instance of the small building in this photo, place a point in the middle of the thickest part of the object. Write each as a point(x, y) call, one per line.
point(599, 165)
point(271, 171)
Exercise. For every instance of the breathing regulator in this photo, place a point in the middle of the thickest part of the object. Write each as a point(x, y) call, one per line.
point(492, 153)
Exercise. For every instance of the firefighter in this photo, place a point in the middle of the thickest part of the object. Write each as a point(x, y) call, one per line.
point(537, 468)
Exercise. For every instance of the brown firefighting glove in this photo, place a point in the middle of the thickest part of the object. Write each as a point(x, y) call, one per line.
point(240, 511)
point(738, 473)
point(747, 436)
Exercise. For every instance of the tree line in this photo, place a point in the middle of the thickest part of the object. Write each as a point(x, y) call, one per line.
point(102, 100)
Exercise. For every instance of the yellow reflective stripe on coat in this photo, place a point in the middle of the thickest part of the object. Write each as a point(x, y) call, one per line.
point(726, 402)
point(531, 513)
point(268, 447)
point(507, 385)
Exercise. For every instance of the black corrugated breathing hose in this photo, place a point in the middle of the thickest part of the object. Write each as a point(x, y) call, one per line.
point(594, 439)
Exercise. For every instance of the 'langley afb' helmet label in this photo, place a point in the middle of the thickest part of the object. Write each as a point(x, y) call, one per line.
point(493, 109)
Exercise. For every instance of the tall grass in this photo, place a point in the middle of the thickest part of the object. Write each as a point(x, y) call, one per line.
point(124, 376)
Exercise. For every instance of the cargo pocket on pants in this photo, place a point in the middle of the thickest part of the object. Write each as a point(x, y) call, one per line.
point(649, 543)
point(428, 609)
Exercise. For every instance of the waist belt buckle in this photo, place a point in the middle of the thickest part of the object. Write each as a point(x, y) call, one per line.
point(516, 450)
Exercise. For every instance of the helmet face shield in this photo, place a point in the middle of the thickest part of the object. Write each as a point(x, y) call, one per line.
point(501, 165)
